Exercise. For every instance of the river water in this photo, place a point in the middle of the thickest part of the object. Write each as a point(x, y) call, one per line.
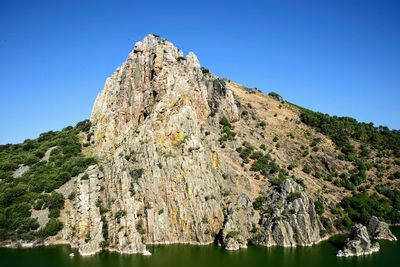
point(321, 255)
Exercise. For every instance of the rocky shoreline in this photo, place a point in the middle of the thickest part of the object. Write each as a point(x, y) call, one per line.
point(359, 243)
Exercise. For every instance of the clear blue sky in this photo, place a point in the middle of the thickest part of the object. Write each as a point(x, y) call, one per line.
point(337, 57)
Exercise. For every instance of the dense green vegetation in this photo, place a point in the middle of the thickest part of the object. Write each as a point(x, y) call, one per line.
point(341, 129)
point(358, 208)
point(361, 206)
point(34, 188)
point(262, 163)
point(227, 133)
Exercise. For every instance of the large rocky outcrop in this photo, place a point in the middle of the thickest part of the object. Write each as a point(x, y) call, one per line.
point(288, 217)
point(379, 230)
point(161, 169)
point(359, 243)
point(163, 176)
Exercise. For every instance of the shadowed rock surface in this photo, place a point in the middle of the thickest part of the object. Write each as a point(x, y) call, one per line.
point(380, 230)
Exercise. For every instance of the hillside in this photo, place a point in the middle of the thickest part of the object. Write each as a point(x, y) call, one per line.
point(175, 154)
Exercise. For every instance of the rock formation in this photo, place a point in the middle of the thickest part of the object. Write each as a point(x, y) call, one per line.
point(239, 224)
point(162, 172)
point(379, 230)
point(358, 243)
point(288, 217)
point(163, 176)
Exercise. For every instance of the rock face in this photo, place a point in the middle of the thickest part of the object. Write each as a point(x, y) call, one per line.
point(239, 223)
point(163, 176)
point(84, 224)
point(20, 171)
point(358, 243)
point(379, 230)
point(289, 217)
point(161, 170)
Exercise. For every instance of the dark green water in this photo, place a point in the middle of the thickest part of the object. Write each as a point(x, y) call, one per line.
point(205, 256)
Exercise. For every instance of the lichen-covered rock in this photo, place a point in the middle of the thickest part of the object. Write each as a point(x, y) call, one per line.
point(358, 243)
point(160, 168)
point(288, 217)
point(84, 225)
point(379, 230)
point(239, 224)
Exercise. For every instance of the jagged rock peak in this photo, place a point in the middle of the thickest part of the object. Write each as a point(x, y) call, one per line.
point(155, 78)
point(152, 43)
point(162, 171)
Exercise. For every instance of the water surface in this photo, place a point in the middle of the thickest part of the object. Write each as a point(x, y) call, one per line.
point(323, 254)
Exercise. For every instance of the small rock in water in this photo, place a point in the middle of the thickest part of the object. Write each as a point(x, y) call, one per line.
point(358, 243)
point(146, 253)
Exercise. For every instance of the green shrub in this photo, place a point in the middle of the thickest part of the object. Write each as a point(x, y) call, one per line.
point(259, 202)
point(140, 227)
point(55, 201)
point(293, 196)
point(319, 206)
point(52, 227)
point(119, 214)
point(136, 174)
point(245, 151)
point(227, 130)
point(262, 124)
point(232, 234)
point(54, 213)
point(204, 70)
point(307, 169)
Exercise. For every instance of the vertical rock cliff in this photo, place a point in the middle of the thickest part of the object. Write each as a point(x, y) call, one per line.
point(164, 173)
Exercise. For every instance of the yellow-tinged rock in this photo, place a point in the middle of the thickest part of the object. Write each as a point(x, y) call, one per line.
point(124, 187)
point(214, 159)
point(161, 139)
point(177, 138)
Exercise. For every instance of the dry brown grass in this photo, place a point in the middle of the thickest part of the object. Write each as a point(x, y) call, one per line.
point(283, 122)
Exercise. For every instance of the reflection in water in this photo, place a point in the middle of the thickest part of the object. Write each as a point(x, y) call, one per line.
point(323, 255)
